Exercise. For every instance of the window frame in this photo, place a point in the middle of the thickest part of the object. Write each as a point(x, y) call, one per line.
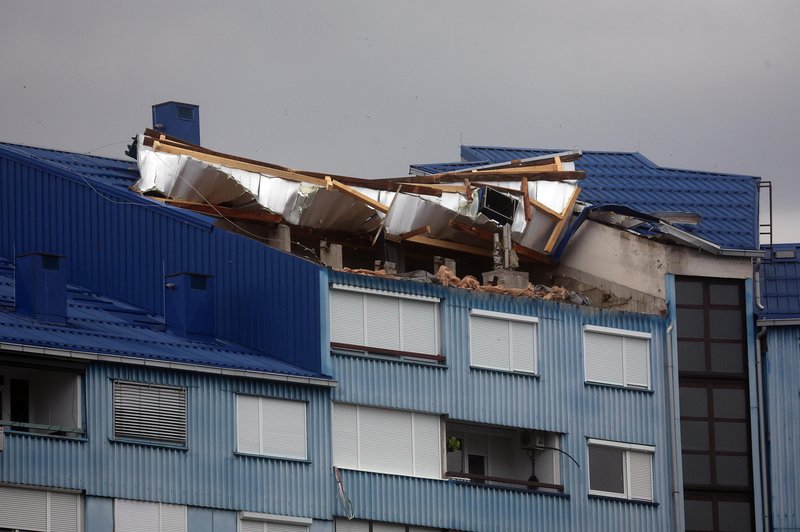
point(145, 440)
point(623, 334)
point(261, 399)
point(509, 318)
point(627, 449)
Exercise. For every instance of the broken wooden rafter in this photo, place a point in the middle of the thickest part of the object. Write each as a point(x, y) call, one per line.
point(347, 189)
point(483, 234)
point(565, 215)
point(424, 230)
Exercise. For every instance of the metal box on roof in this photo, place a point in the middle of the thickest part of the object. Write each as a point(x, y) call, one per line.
point(181, 120)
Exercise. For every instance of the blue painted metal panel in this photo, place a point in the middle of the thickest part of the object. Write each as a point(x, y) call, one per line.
point(98, 514)
point(121, 244)
point(207, 474)
point(728, 203)
point(781, 366)
point(181, 120)
point(780, 282)
point(558, 400)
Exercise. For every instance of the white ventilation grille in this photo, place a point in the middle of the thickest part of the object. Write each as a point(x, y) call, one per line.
point(150, 412)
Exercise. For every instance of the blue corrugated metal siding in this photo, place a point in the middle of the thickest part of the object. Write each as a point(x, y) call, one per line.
point(120, 244)
point(780, 283)
point(557, 401)
point(207, 474)
point(728, 203)
point(781, 371)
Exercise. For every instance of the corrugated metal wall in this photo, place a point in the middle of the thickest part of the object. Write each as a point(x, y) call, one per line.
point(781, 366)
point(557, 400)
point(207, 474)
point(120, 247)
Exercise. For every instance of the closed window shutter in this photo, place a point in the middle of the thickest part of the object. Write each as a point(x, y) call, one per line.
point(23, 508)
point(490, 343)
point(150, 412)
point(427, 446)
point(345, 435)
point(64, 512)
point(640, 466)
point(419, 327)
point(603, 357)
point(382, 316)
point(135, 516)
point(387, 527)
point(346, 525)
point(347, 317)
point(247, 424)
point(385, 440)
point(246, 525)
point(636, 362)
point(173, 518)
point(283, 428)
point(285, 527)
point(523, 346)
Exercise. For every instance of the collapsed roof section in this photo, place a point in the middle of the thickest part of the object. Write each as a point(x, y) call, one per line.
point(460, 210)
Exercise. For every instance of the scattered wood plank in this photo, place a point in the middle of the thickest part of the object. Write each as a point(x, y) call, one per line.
point(347, 189)
point(565, 214)
point(424, 230)
point(453, 246)
point(526, 199)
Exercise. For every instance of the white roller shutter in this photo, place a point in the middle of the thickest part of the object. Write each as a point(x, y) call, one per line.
point(135, 516)
point(64, 512)
point(385, 440)
point(427, 446)
point(23, 508)
point(247, 424)
point(490, 343)
point(523, 347)
point(173, 518)
point(345, 436)
point(603, 357)
point(637, 371)
point(246, 525)
point(347, 317)
point(387, 527)
point(283, 425)
point(346, 525)
point(640, 470)
point(418, 327)
point(382, 317)
point(150, 412)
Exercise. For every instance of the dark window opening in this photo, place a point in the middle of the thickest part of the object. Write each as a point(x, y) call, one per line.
point(185, 113)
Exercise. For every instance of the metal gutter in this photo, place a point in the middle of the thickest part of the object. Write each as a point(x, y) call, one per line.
point(761, 436)
point(180, 366)
point(778, 322)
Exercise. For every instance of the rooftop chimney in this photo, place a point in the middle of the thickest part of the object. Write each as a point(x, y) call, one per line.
point(181, 120)
point(41, 287)
point(189, 305)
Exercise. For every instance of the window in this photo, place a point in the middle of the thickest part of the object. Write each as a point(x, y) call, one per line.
point(356, 525)
point(387, 441)
point(271, 427)
point(621, 470)
point(385, 324)
point(185, 113)
point(257, 522)
point(150, 412)
point(503, 341)
point(136, 516)
point(47, 511)
point(616, 356)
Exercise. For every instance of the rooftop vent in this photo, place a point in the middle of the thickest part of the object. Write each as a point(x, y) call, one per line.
point(41, 287)
point(181, 120)
point(189, 305)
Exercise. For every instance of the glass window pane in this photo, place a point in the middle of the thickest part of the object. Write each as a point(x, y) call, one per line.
point(694, 435)
point(691, 323)
point(606, 470)
point(694, 402)
point(696, 469)
point(725, 324)
point(723, 294)
point(699, 515)
point(732, 471)
point(691, 356)
point(730, 402)
point(727, 358)
point(735, 516)
point(689, 292)
point(730, 436)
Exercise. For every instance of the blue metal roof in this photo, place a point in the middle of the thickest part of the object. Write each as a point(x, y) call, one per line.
point(727, 203)
point(780, 282)
point(98, 324)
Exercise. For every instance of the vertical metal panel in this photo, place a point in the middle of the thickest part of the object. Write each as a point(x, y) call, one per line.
point(781, 366)
point(121, 245)
point(557, 400)
point(208, 474)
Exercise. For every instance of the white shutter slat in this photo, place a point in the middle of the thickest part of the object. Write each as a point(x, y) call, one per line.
point(637, 362)
point(345, 435)
point(387, 527)
point(283, 428)
point(490, 343)
point(23, 508)
point(382, 319)
point(523, 345)
point(418, 327)
point(285, 527)
point(247, 424)
point(427, 446)
point(247, 525)
point(640, 466)
point(385, 440)
point(173, 518)
point(345, 525)
point(135, 516)
point(64, 512)
point(347, 317)
point(603, 357)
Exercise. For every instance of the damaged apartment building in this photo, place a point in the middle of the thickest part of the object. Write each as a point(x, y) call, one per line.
point(522, 340)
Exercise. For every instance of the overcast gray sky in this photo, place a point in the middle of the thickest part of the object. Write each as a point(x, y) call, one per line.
point(367, 88)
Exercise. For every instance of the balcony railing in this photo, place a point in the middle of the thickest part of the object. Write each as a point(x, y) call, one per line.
point(387, 352)
point(486, 478)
